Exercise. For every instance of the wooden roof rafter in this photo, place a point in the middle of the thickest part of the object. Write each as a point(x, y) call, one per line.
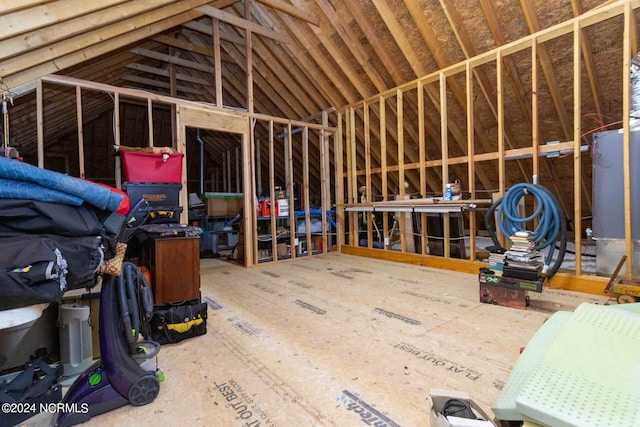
point(547, 68)
point(390, 20)
point(588, 61)
point(351, 42)
point(481, 78)
point(163, 72)
point(292, 64)
point(400, 38)
point(244, 23)
point(36, 17)
point(291, 10)
point(93, 43)
point(312, 60)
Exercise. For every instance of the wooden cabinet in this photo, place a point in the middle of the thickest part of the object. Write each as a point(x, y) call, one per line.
point(174, 263)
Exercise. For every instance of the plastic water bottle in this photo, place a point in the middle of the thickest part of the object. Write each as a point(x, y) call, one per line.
point(448, 195)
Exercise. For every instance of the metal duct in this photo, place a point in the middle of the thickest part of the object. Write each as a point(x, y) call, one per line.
point(634, 109)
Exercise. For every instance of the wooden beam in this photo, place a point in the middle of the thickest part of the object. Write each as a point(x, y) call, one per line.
point(535, 123)
point(483, 81)
point(184, 45)
point(629, 22)
point(471, 165)
point(325, 181)
point(444, 146)
point(367, 171)
point(165, 73)
point(313, 61)
point(291, 10)
point(16, 5)
point(204, 28)
point(20, 43)
point(383, 165)
point(352, 179)
point(338, 164)
point(40, 122)
point(376, 42)
point(351, 41)
point(274, 231)
point(248, 54)
point(150, 121)
point(244, 24)
point(399, 35)
point(290, 175)
point(500, 105)
point(589, 18)
point(577, 139)
point(547, 68)
point(80, 132)
point(589, 65)
point(160, 84)
point(99, 36)
point(116, 138)
point(422, 162)
point(89, 46)
point(38, 16)
point(148, 53)
point(217, 61)
point(293, 86)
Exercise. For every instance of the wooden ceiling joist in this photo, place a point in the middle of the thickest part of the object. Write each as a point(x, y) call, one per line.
point(159, 84)
point(148, 53)
point(184, 45)
point(205, 28)
point(244, 24)
point(165, 73)
point(291, 10)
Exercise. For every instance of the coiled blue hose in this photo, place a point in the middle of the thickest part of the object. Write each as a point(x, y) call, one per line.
point(551, 221)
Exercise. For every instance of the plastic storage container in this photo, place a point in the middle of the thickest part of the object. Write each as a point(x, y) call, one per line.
point(151, 167)
point(156, 194)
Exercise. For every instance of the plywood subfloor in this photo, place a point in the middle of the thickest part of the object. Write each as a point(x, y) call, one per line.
point(337, 341)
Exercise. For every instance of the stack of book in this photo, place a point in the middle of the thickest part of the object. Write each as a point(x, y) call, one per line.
point(496, 262)
point(522, 260)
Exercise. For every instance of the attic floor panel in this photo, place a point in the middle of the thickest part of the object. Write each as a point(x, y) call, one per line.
point(337, 340)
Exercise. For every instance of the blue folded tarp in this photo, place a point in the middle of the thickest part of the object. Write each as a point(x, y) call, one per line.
point(19, 180)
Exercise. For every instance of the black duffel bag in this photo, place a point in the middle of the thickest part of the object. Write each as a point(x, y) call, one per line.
point(32, 271)
point(173, 323)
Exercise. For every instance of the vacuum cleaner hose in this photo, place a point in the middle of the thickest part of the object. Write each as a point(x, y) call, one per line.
point(551, 227)
point(127, 296)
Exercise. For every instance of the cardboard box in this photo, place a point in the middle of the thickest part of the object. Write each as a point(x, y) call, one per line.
point(223, 204)
point(437, 402)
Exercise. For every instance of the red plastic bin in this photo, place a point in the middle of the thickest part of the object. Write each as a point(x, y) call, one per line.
point(150, 167)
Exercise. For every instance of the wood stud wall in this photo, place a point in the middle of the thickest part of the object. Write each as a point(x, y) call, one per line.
point(360, 149)
point(208, 117)
point(366, 131)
